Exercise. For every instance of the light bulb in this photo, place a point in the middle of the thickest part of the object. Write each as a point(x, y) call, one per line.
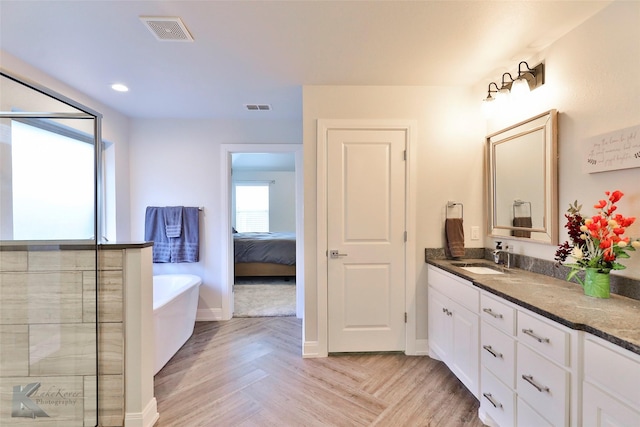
point(502, 95)
point(520, 87)
point(488, 107)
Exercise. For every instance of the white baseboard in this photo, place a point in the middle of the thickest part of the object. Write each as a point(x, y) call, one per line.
point(146, 418)
point(434, 355)
point(422, 348)
point(209, 314)
point(311, 349)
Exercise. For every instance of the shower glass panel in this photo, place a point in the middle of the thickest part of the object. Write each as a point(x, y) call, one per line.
point(49, 259)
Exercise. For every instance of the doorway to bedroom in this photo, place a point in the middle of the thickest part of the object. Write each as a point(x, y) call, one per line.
point(264, 206)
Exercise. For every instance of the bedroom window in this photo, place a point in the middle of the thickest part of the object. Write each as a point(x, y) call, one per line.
point(252, 207)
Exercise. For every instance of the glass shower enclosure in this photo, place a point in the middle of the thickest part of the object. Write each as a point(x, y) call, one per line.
point(50, 149)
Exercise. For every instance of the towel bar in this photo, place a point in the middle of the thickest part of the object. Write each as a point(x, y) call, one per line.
point(519, 202)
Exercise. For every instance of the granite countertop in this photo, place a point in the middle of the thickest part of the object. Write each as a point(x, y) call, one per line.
point(616, 319)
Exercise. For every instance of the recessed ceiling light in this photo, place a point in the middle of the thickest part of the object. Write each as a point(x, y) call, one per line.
point(119, 87)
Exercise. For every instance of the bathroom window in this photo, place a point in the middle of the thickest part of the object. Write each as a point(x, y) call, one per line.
point(252, 207)
point(52, 182)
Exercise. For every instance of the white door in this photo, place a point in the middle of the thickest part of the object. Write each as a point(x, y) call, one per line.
point(366, 240)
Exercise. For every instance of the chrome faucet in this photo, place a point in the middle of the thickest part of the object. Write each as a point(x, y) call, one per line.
point(496, 256)
point(499, 259)
point(497, 252)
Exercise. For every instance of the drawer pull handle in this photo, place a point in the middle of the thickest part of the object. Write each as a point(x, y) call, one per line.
point(492, 351)
point(491, 313)
point(534, 336)
point(530, 380)
point(491, 400)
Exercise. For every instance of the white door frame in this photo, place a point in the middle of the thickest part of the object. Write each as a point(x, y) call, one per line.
point(410, 127)
point(226, 246)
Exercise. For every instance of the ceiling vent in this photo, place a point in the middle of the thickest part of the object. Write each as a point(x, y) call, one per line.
point(258, 107)
point(167, 29)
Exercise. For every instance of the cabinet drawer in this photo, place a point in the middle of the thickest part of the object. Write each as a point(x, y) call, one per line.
point(498, 353)
point(497, 400)
point(543, 385)
point(549, 339)
point(613, 369)
point(459, 290)
point(527, 417)
point(498, 313)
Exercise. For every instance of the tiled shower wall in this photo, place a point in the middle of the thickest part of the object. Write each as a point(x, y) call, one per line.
point(48, 335)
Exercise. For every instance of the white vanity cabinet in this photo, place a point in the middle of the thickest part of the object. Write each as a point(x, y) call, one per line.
point(454, 325)
point(528, 370)
point(545, 368)
point(498, 360)
point(611, 385)
point(527, 367)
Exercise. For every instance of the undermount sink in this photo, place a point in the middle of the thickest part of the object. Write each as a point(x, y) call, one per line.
point(478, 268)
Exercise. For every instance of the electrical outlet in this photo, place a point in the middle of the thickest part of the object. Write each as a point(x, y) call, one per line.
point(475, 233)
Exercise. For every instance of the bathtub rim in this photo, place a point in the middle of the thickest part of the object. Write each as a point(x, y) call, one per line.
point(192, 281)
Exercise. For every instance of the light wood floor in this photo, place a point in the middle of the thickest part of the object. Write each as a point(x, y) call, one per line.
point(250, 372)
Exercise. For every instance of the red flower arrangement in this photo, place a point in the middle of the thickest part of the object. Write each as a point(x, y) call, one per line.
point(597, 242)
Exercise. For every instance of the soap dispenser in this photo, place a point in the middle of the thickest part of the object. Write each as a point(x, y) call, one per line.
point(496, 252)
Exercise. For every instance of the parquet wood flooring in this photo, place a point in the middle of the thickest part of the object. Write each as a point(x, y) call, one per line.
point(249, 372)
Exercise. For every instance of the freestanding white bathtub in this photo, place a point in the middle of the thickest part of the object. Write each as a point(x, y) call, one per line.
point(175, 302)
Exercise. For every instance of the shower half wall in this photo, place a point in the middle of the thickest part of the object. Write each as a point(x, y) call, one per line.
point(50, 369)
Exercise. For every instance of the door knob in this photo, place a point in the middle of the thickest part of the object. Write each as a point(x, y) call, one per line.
point(334, 253)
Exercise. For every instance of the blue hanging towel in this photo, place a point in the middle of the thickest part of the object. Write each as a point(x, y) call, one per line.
point(154, 231)
point(186, 248)
point(173, 220)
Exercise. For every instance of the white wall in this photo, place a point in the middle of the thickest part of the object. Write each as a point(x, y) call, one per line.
point(282, 197)
point(177, 162)
point(115, 129)
point(449, 166)
point(592, 80)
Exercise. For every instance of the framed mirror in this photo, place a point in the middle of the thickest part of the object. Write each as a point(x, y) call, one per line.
point(522, 180)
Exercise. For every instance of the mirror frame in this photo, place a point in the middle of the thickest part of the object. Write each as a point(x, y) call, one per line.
point(548, 233)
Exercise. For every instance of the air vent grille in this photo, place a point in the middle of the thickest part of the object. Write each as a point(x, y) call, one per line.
point(167, 28)
point(258, 107)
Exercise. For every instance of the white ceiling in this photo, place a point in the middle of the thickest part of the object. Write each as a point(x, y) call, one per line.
point(262, 52)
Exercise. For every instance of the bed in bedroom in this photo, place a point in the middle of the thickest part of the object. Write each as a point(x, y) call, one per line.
point(264, 254)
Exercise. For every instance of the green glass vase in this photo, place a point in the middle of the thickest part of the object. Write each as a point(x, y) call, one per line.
point(596, 284)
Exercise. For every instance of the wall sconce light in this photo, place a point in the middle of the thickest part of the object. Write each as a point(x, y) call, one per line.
point(490, 98)
point(528, 79)
point(488, 104)
point(505, 88)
